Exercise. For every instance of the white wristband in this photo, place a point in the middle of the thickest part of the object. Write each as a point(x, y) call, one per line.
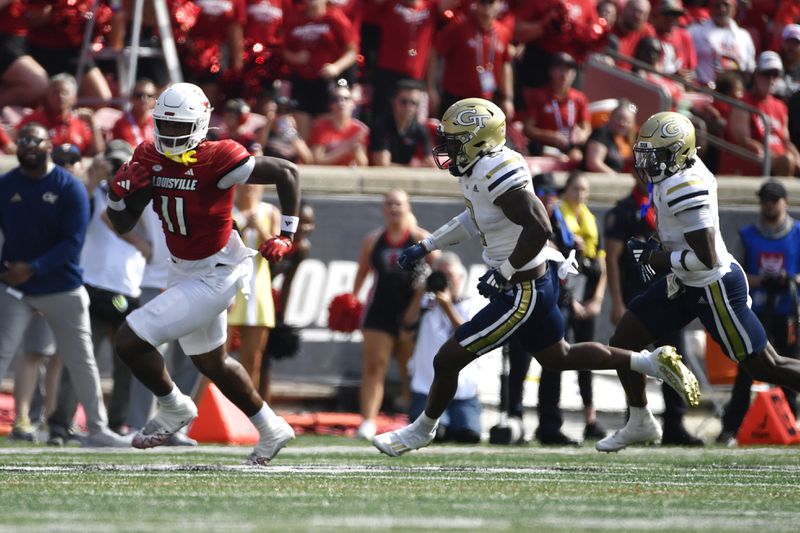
point(507, 270)
point(289, 223)
point(117, 205)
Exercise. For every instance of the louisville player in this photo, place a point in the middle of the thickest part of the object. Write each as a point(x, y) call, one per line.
point(191, 184)
point(522, 281)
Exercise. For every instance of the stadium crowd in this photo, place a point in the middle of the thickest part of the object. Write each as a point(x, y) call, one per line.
point(362, 82)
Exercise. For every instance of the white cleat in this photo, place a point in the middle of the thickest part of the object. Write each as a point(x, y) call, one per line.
point(167, 421)
point(647, 431)
point(397, 442)
point(675, 374)
point(268, 447)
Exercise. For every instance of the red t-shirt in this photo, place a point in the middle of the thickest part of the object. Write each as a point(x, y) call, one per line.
point(628, 41)
point(264, 22)
point(72, 130)
point(777, 114)
point(581, 16)
point(325, 133)
point(195, 214)
point(12, 21)
point(326, 38)
point(459, 45)
point(677, 51)
point(216, 16)
point(406, 37)
point(541, 104)
point(132, 131)
point(64, 28)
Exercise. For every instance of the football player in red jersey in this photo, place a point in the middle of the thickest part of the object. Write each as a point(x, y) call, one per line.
point(191, 183)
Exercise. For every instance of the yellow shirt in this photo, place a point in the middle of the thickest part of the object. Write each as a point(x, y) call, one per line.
point(582, 223)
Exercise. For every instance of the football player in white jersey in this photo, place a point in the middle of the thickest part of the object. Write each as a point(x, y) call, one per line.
point(703, 280)
point(522, 281)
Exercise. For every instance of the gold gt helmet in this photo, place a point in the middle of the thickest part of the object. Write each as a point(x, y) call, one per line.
point(470, 128)
point(665, 145)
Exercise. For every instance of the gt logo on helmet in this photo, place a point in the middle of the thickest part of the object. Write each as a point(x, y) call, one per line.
point(671, 129)
point(470, 117)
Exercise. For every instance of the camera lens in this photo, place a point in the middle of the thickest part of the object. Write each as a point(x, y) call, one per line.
point(436, 282)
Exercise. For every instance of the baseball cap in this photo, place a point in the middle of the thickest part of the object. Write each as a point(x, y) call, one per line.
point(671, 6)
point(769, 60)
point(772, 189)
point(119, 150)
point(66, 154)
point(791, 31)
point(563, 58)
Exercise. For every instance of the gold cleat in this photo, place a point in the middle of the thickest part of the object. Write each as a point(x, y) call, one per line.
point(677, 375)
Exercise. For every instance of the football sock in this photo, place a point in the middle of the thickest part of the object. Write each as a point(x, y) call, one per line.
point(170, 399)
point(642, 362)
point(262, 419)
point(639, 414)
point(426, 423)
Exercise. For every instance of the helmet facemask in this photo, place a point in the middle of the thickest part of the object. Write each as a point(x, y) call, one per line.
point(652, 163)
point(450, 154)
point(173, 137)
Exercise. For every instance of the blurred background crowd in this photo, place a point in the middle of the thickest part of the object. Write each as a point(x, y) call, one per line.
point(362, 82)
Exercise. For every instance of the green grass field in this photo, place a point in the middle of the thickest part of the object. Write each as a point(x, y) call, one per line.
point(339, 484)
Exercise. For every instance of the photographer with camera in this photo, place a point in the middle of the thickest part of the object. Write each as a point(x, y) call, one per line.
point(771, 260)
point(437, 309)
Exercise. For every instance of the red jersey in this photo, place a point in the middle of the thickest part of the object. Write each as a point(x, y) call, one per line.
point(325, 133)
point(677, 51)
point(468, 54)
point(326, 38)
point(551, 113)
point(580, 21)
point(264, 21)
point(777, 114)
point(64, 27)
point(216, 16)
point(132, 131)
point(407, 37)
point(12, 21)
point(72, 130)
point(194, 212)
point(629, 40)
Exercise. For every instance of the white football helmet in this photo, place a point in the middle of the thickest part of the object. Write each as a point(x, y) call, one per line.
point(182, 114)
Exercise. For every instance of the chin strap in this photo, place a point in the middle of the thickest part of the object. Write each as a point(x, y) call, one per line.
point(185, 158)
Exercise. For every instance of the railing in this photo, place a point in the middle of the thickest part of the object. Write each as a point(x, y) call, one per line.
point(719, 142)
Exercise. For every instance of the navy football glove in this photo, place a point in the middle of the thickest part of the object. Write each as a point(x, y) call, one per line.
point(411, 256)
point(492, 284)
point(640, 252)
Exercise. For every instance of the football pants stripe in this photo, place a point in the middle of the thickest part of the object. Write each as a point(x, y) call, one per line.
point(726, 321)
point(503, 328)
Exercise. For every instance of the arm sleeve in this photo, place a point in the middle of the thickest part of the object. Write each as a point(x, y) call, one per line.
point(460, 228)
point(695, 219)
point(72, 229)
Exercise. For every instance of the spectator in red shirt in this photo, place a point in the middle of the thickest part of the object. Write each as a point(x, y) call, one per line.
point(547, 27)
point(23, 81)
point(476, 61)
point(213, 53)
point(631, 26)
point(678, 55)
point(320, 46)
point(136, 125)
point(64, 124)
point(557, 117)
point(264, 23)
point(406, 29)
point(55, 36)
point(747, 129)
point(338, 138)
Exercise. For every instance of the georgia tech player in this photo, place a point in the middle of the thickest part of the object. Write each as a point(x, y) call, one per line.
point(191, 184)
point(704, 280)
point(522, 281)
